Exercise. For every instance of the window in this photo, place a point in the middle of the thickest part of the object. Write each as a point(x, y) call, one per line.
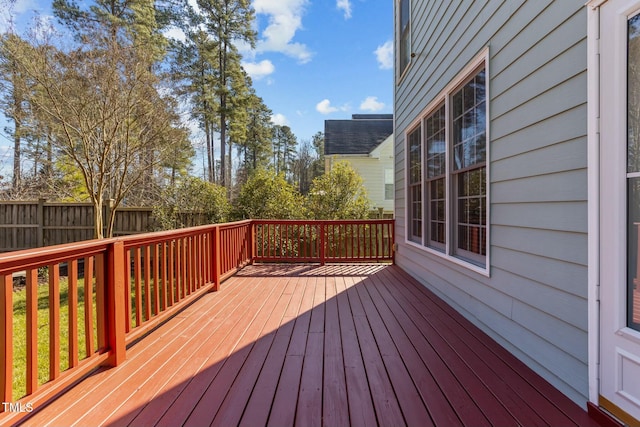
point(388, 184)
point(450, 144)
point(469, 152)
point(435, 153)
point(404, 35)
point(415, 186)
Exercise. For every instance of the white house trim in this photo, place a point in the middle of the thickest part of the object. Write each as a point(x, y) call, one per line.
point(593, 204)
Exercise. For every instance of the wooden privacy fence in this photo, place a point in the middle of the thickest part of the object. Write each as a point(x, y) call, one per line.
point(34, 224)
point(87, 301)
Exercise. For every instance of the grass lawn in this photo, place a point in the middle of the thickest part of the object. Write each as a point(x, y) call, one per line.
point(20, 332)
point(20, 328)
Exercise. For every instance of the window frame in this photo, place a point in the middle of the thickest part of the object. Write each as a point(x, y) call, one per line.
point(404, 38)
point(449, 250)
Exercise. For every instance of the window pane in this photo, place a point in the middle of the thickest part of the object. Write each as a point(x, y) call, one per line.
point(437, 213)
point(469, 123)
point(435, 143)
point(415, 185)
point(416, 212)
point(415, 168)
point(471, 211)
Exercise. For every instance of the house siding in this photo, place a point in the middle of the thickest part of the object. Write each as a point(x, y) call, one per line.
point(534, 301)
point(371, 169)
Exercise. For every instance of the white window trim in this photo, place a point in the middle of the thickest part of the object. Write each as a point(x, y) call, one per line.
point(443, 96)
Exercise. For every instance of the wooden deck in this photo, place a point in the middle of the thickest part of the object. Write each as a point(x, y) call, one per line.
point(286, 345)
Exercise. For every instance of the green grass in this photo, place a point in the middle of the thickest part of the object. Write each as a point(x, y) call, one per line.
point(20, 333)
point(20, 328)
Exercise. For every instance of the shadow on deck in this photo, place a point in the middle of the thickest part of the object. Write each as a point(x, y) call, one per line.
point(309, 345)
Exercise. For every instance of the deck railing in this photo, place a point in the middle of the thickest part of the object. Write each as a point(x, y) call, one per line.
point(323, 241)
point(99, 296)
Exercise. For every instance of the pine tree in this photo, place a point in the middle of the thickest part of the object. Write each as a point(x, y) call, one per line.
point(227, 22)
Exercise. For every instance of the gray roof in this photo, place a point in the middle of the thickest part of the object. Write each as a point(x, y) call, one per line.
point(360, 135)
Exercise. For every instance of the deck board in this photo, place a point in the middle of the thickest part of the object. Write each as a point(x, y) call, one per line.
point(287, 345)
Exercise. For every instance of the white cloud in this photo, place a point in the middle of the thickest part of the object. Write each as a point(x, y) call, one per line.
point(325, 107)
point(384, 55)
point(279, 119)
point(371, 104)
point(285, 19)
point(259, 70)
point(346, 6)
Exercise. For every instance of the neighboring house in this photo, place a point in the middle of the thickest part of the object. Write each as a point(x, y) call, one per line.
point(366, 142)
point(517, 171)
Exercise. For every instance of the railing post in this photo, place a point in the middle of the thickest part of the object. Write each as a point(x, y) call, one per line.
point(322, 243)
point(6, 338)
point(215, 254)
point(252, 242)
point(115, 321)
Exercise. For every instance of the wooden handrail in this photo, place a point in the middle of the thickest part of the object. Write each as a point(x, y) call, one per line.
point(132, 284)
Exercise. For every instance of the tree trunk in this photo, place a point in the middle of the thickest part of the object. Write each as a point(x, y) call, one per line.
point(223, 145)
point(209, 139)
point(16, 157)
point(98, 220)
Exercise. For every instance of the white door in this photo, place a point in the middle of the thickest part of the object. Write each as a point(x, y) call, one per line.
point(620, 209)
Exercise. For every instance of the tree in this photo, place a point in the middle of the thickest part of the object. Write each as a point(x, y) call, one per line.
point(193, 72)
point(302, 170)
point(309, 162)
point(318, 165)
point(189, 198)
point(267, 195)
point(339, 194)
point(100, 100)
point(13, 86)
point(284, 147)
point(227, 22)
point(256, 148)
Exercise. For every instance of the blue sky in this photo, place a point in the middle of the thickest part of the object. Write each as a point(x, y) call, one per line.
point(314, 59)
point(322, 59)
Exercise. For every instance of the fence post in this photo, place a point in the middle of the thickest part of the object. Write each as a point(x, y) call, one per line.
point(322, 243)
point(115, 313)
point(215, 255)
point(40, 219)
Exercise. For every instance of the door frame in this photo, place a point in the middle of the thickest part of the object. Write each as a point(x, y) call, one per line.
point(595, 214)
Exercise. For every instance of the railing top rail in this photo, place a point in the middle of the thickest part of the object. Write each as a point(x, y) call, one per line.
point(323, 221)
point(235, 224)
point(161, 236)
point(11, 262)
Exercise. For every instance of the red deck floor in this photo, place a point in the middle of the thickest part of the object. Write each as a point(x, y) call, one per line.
point(311, 346)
